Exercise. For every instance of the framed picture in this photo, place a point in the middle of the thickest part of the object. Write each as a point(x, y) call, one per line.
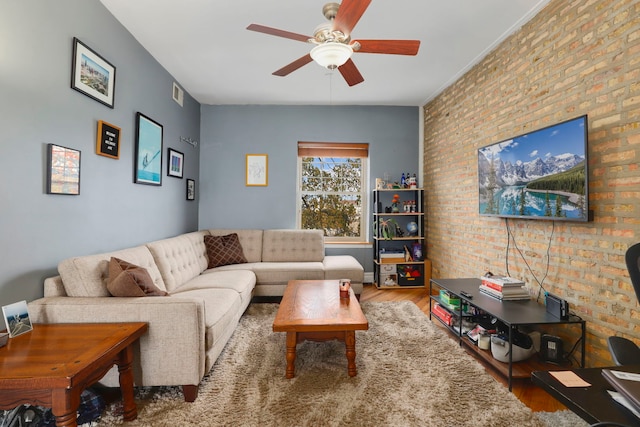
point(92, 75)
point(148, 158)
point(108, 140)
point(257, 170)
point(191, 189)
point(63, 170)
point(16, 318)
point(175, 164)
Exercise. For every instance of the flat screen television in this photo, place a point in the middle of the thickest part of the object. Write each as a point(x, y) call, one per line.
point(538, 175)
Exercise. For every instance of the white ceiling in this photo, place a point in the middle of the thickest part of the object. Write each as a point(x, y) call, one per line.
point(204, 44)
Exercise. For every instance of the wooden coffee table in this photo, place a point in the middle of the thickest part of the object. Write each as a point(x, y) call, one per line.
point(51, 365)
point(313, 310)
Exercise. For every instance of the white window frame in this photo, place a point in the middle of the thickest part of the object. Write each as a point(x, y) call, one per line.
point(364, 196)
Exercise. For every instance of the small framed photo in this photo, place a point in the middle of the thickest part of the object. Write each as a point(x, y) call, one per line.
point(148, 166)
point(175, 164)
point(108, 140)
point(92, 75)
point(257, 170)
point(16, 318)
point(191, 189)
point(63, 170)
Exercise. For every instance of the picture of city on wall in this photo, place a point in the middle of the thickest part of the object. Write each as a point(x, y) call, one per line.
point(541, 174)
point(92, 75)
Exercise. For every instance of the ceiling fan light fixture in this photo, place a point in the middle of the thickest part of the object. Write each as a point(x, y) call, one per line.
point(331, 55)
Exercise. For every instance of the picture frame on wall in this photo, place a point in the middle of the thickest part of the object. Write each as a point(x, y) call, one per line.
point(92, 75)
point(108, 140)
point(257, 170)
point(16, 318)
point(63, 170)
point(175, 163)
point(191, 189)
point(148, 157)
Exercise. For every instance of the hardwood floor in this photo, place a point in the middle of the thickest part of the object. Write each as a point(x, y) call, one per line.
point(530, 394)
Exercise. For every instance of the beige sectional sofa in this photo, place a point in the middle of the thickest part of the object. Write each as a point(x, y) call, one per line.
point(189, 328)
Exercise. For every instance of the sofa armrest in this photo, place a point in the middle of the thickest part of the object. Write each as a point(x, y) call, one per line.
point(53, 287)
point(176, 328)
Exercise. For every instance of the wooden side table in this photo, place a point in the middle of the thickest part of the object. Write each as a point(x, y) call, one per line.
point(51, 365)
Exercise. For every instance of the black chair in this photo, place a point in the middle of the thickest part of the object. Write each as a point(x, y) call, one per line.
point(624, 351)
point(608, 424)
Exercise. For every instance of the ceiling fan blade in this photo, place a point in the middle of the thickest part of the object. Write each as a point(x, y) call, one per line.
point(349, 14)
point(278, 33)
point(288, 69)
point(350, 73)
point(393, 47)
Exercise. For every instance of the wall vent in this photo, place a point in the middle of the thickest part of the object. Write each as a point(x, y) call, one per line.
point(178, 94)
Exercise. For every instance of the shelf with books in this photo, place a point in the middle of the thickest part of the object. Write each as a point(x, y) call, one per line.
point(398, 239)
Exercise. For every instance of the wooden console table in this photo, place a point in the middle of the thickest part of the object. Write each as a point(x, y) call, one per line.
point(51, 365)
point(511, 313)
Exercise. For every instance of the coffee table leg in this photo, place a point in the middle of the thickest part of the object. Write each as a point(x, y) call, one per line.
point(125, 360)
point(64, 405)
point(292, 340)
point(350, 344)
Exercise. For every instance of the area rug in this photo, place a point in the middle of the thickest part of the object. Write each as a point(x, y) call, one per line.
point(410, 373)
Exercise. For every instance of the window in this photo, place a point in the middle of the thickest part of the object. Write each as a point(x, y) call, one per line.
point(332, 189)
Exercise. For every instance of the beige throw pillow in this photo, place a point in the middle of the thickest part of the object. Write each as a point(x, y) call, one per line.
point(129, 280)
point(224, 250)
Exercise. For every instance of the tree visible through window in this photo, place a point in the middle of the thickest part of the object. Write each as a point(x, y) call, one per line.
point(332, 189)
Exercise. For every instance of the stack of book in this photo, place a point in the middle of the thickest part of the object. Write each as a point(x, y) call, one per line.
point(504, 288)
point(442, 314)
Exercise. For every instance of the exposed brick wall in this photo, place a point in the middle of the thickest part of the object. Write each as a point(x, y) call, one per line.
point(573, 58)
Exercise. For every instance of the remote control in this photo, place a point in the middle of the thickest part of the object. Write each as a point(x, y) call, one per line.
point(466, 295)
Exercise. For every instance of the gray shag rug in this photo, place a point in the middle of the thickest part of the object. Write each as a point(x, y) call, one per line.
point(410, 373)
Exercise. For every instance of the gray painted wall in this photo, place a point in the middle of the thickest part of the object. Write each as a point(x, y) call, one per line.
point(230, 132)
point(37, 106)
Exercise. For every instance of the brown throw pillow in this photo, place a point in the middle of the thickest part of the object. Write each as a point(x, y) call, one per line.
point(224, 250)
point(129, 280)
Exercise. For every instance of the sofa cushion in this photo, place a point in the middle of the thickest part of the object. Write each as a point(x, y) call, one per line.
point(241, 281)
point(268, 273)
point(180, 258)
point(129, 280)
point(250, 240)
point(86, 276)
point(224, 250)
point(292, 246)
point(343, 267)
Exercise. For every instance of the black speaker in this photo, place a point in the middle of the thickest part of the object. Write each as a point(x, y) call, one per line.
point(557, 306)
point(551, 349)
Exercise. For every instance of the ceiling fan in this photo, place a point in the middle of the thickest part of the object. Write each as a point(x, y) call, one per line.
point(334, 45)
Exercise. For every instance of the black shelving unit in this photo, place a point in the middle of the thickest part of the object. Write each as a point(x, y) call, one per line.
point(399, 273)
point(511, 313)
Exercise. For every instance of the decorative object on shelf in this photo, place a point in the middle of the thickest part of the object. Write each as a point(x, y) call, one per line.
point(412, 228)
point(412, 182)
point(92, 75)
point(108, 140)
point(191, 189)
point(257, 170)
point(63, 170)
point(387, 228)
point(395, 204)
point(416, 250)
point(148, 159)
point(16, 318)
point(191, 142)
point(175, 163)
point(380, 184)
